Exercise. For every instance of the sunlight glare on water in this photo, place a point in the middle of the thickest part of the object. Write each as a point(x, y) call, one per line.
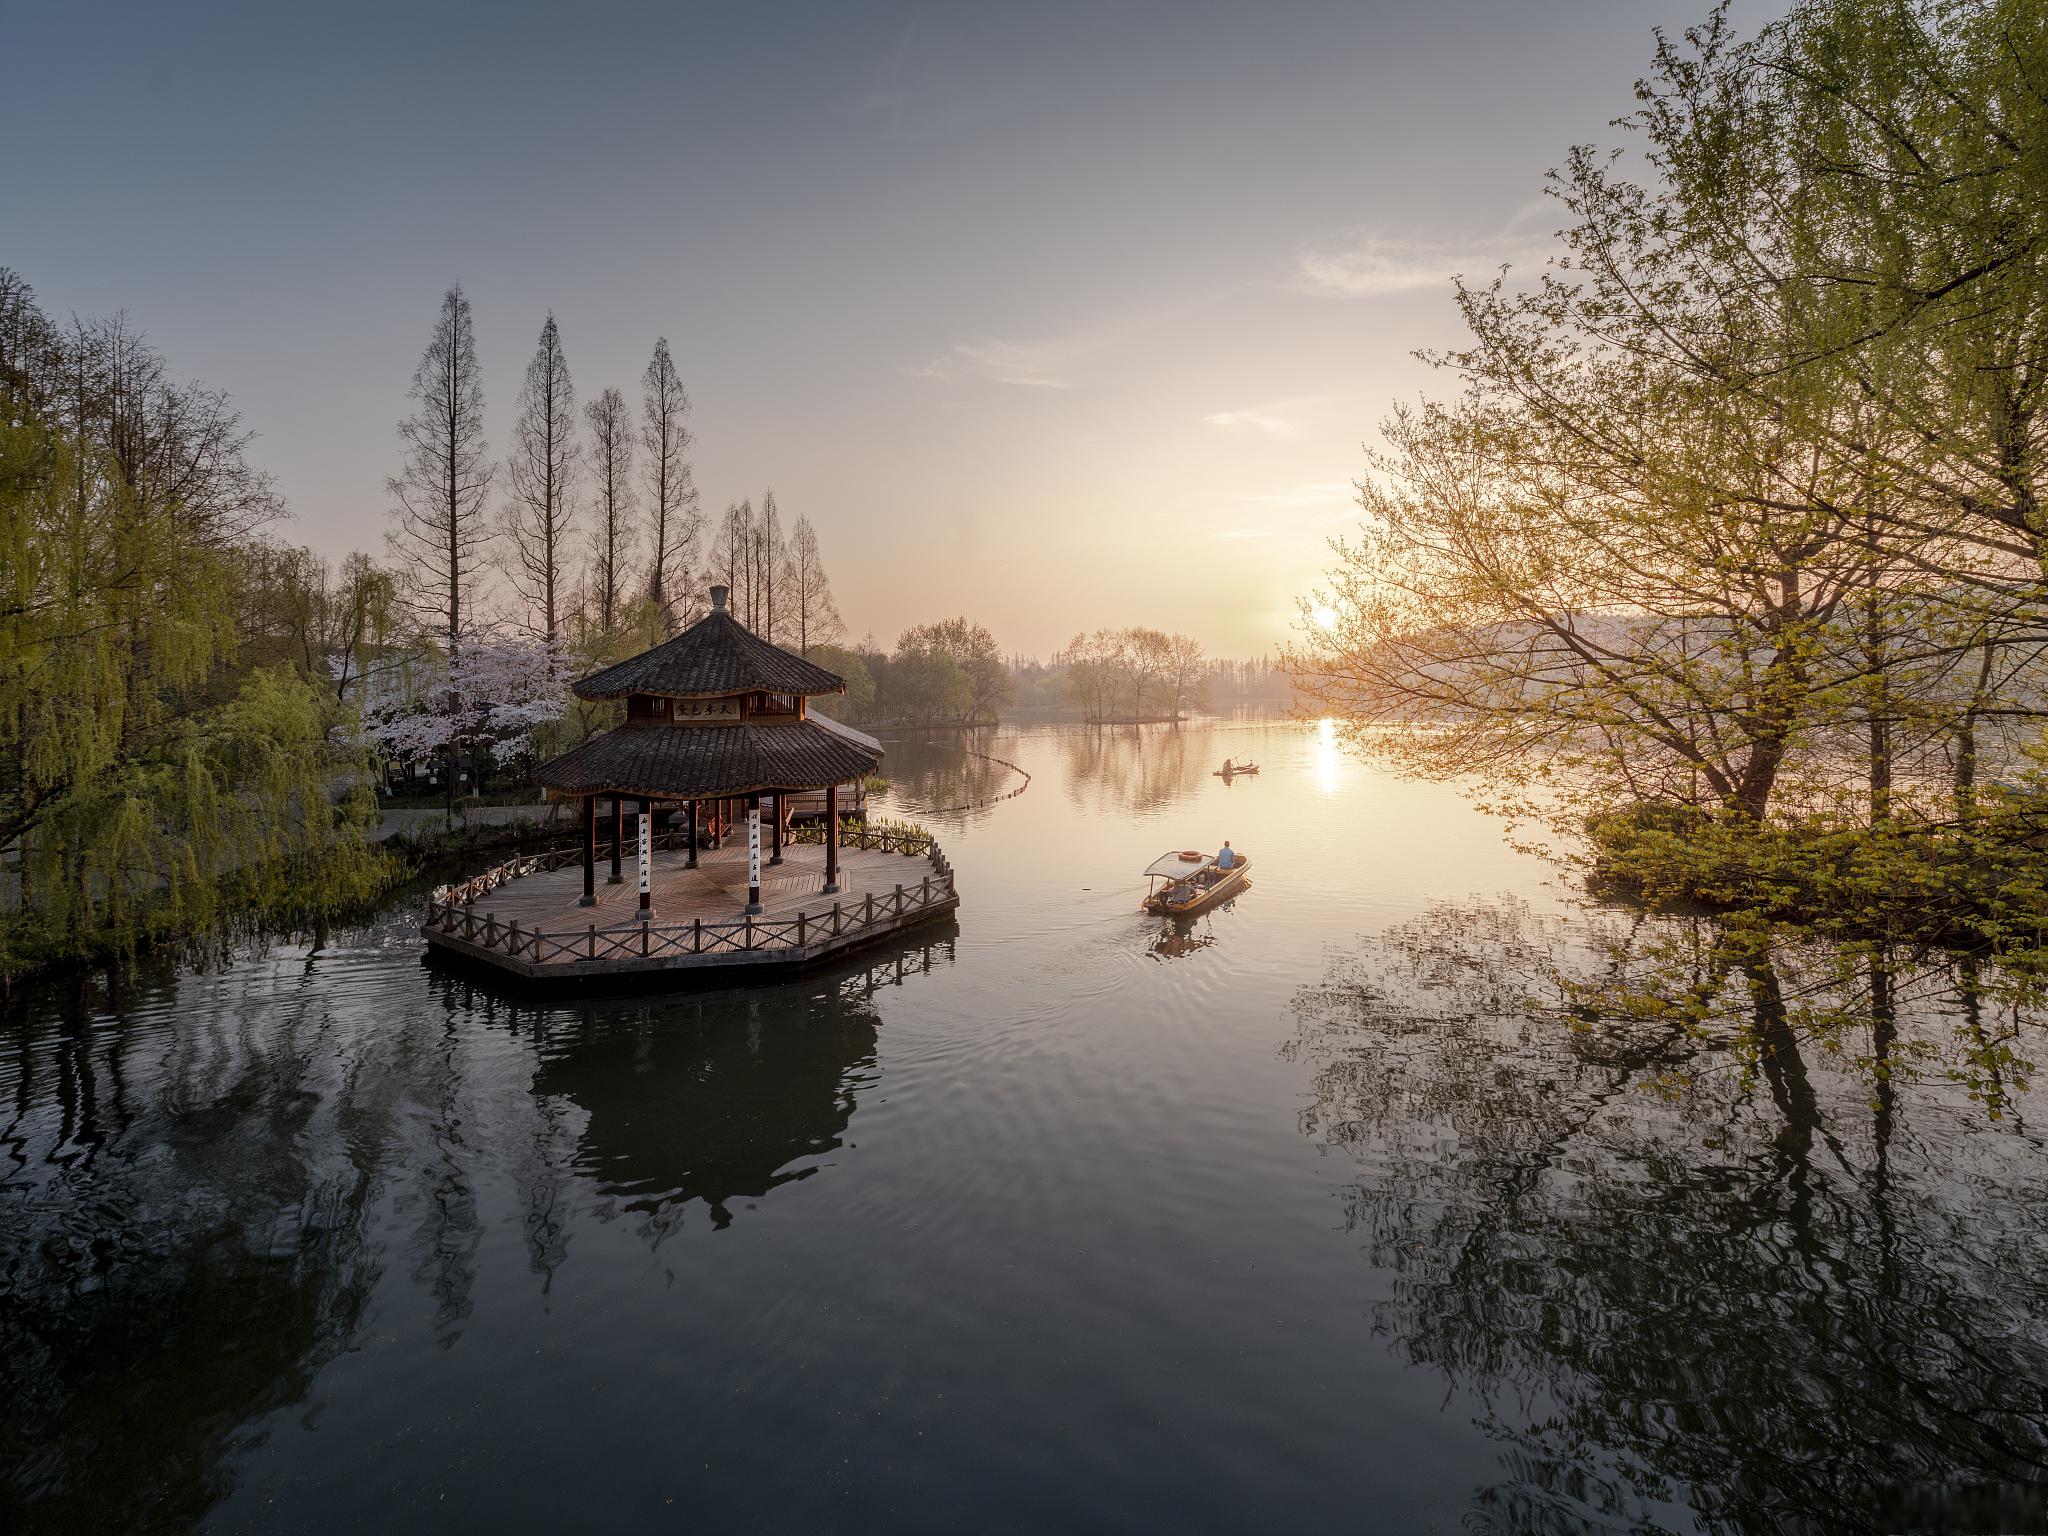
point(1328, 761)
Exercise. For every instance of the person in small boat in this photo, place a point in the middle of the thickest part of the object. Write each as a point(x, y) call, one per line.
point(1229, 766)
point(1227, 859)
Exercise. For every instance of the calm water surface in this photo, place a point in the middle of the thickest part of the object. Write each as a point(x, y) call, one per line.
point(1314, 1214)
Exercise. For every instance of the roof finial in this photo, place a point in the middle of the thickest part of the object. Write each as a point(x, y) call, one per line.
point(718, 599)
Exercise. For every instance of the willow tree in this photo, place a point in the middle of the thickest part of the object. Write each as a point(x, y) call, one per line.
point(150, 780)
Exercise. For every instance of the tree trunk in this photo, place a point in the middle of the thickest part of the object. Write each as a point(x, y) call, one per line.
point(1880, 770)
point(1759, 776)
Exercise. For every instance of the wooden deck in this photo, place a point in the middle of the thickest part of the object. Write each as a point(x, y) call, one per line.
point(526, 917)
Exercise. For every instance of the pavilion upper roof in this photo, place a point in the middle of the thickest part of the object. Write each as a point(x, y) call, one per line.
point(702, 761)
point(715, 656)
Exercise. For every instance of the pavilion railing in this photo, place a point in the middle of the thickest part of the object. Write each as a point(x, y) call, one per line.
point(451, 910)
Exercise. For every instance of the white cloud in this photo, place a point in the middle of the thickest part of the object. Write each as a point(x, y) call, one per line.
point(1368, 265)
point(1274, 418)
point(1317, 493)
point(1273, 421)
point(995, 362)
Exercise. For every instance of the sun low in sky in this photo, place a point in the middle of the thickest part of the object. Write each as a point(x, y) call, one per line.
point(1056, 316)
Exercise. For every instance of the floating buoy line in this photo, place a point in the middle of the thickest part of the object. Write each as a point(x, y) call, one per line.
point(982, 805)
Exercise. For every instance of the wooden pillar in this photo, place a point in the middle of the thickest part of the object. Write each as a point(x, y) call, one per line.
point(589, 852)
point(618, 837)
point(753, 854)
point(646, 857)
point(691, 862)
point(775, 844)
point(831, 839)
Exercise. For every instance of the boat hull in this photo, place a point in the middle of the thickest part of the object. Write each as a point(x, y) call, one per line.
point(1232, 882)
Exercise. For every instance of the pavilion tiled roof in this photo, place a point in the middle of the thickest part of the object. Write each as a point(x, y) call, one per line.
point(716, 655)
point(678, 762)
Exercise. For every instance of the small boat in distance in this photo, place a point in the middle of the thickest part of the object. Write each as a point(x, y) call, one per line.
point(1231, 770)
point(1185, 882)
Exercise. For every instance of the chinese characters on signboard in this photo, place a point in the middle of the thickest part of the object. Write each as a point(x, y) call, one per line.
point(699, 711)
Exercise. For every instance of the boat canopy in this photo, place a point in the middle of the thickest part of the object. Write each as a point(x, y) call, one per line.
point(1174, 867)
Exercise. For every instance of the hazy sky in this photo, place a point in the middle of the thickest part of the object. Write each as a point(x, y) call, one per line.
point(1056, 316)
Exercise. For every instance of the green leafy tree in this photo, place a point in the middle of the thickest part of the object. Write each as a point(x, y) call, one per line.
point(973, 652)
point(150, 782)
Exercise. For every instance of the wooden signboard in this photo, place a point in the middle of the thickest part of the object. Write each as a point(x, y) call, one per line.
point(707, 711)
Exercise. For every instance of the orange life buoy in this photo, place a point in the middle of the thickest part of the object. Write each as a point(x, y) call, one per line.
point(1190, 856)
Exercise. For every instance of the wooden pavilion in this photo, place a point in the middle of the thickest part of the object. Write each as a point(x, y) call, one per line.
point(716, 720)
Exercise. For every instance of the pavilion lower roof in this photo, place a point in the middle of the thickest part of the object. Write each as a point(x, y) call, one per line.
point(700, 762)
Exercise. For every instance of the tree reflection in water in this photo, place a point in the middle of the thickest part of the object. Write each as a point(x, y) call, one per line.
point(949, 771)
point(203, 1182)
point(1726, 1255)
point(1112, 769)
point(176, 1261)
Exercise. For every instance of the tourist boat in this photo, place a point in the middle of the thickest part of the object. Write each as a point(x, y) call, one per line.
point(1235, 769)
point(1185, 882)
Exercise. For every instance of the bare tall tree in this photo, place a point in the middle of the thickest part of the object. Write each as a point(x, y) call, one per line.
point(673, 515)
point(438, 521)
point(769, 556)
point(611, 464)
point(732, 559)
point(813, 614)
point(543, 467)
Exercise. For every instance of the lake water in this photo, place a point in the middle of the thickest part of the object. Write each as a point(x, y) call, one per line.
point(1338, 1209)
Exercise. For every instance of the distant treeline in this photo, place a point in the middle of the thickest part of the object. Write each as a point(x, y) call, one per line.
point(954, 672)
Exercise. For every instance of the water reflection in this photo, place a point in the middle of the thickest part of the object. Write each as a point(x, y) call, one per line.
point(945, 772)
point(1130, 768)
point(1329, 761)
point(1783, 1286)
point(205, 1180)
point(714, 1101)
point(1178, 938)
point(177, 1258)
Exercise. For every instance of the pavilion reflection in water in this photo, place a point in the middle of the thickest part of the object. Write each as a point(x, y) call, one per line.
point(719, 1099)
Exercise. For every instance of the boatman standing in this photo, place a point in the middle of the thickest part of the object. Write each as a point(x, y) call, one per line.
point(1226, 859)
